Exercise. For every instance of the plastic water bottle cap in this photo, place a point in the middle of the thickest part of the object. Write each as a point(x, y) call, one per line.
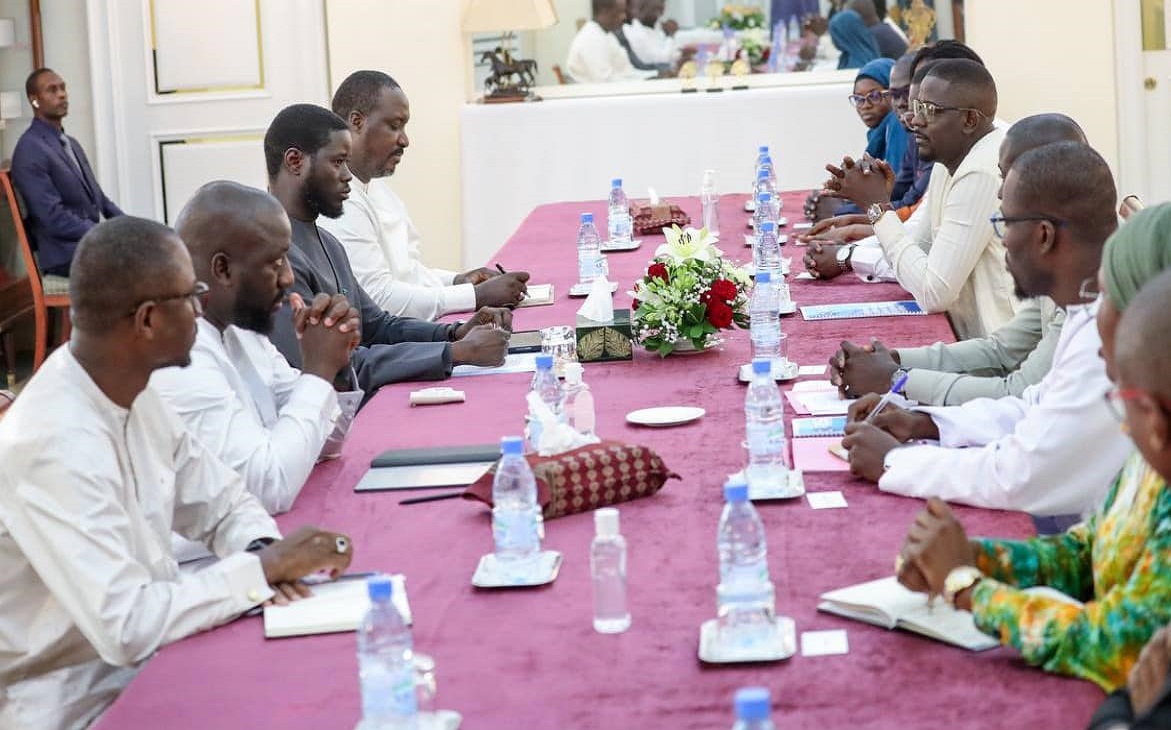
point(587, 217)
point(606, 522)
point(764, 277)
point(512, 446)
point(616, 182)
point(736, 490)
point(767, 227)
point(544, 362)
point(762, 366)
point(752, 703)
point(379, 587)
point(763, 149)
point(765, 197)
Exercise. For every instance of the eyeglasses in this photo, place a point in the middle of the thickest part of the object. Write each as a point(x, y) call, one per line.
point(874, 98)
point(898, 93)
point(1116, 397)
point(926, 110)
point(194, 296)
point(1001, 223)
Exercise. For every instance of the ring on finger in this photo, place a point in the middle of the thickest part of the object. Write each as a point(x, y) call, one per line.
point(341, 544)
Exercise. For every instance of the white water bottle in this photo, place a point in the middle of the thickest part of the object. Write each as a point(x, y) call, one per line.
point(589, 250)
point(546, 385)
point(745, 598)
point(579, 401)
point(710, 201)
point(608, 568)
point(767, 252)
point(764, 319)
point(386, 668)
point(753, 709)
point(764, 426)
point(618, 223)
point(516, 517)
point(761, 153)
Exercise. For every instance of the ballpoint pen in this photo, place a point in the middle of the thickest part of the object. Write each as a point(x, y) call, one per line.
point(500, 269)
point(887, 397)
point(431, 498)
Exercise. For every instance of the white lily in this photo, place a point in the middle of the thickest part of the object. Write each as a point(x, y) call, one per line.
point(684, 244)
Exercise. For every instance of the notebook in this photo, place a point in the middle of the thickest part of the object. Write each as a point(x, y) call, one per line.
point(335, 607)
point(817, 398)
point(884, 602)
point(538, 296)
point(813, 454)
point(862, 309)
point(422, 476)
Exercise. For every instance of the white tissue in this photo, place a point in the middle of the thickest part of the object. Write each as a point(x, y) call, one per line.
point(556, 436)
point(599, 305)
point(652, 196)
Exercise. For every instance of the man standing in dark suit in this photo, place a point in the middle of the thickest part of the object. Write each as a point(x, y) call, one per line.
point(52, 173)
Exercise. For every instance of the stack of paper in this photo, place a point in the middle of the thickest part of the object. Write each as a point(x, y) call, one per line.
point(817, 398)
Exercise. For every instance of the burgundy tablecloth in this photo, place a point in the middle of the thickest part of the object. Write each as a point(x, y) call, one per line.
point(530, 658)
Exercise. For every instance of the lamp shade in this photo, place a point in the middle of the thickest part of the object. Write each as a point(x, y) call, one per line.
point(490, 16)
point(7, 32)
point(10, 106)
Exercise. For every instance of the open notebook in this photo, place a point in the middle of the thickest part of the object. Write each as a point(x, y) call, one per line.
point(538, 295)
point(884, 602)
point(334, 607)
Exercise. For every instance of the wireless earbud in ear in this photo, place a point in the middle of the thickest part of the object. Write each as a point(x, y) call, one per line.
point(36, 105)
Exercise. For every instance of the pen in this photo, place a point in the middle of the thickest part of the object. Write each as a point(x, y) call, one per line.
point(500, 269)
point(432, 498)
point(887, 397)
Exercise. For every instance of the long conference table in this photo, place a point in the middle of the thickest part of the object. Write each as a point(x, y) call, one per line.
point(530, 658)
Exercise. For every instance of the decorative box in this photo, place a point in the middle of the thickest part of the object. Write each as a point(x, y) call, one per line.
point(605, 341)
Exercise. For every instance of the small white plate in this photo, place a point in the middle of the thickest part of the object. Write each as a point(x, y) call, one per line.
point(789, 308)
point(543, 570)
point(750, 205)
point(782, 645)
point(792, 488)
point(633, 244)
point(583, 290)
point(782, 371)
point(438, 720)
point(664, 416)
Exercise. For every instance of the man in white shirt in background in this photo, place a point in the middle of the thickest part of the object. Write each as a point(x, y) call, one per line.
point(596, 56)
point(98, 471)
point(379, 238)
point(239, 396)
point(651, 39)
point(949, 261)
point(1055, 449)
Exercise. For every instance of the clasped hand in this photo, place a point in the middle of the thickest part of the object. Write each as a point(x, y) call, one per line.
point(864, 182)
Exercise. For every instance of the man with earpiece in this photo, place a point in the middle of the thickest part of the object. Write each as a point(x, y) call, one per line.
point(52, 173)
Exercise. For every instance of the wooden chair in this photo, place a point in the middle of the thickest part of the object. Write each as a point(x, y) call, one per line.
point(560, 76)
point(26, 291)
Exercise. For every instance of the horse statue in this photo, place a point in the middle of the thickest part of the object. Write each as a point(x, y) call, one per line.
point(504, 68)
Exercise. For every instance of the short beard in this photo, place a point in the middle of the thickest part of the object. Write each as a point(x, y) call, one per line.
point(318, 205)
point(253, 318)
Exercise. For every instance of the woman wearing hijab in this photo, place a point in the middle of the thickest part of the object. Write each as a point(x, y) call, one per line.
point(851, 36)
point(886, 138)
point(1112, 572)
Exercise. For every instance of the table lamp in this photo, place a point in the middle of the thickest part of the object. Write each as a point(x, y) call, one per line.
point(511, 77)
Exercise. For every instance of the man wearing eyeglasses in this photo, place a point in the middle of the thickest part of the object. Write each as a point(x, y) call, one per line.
point(262, 417)
point(949, 261)
point(1055, 449)
point(98, 471)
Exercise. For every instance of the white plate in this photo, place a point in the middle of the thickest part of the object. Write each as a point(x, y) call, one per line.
point(782, 645)
point(789, 308)
point(583, 290)
point(783, 371)
point(438, 720)
point(633, 244)
point(792, 488)
point(544, 570)
point(750, 205)
point(664, 416)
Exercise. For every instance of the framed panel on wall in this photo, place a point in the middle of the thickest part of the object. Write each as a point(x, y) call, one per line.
point(190, 56)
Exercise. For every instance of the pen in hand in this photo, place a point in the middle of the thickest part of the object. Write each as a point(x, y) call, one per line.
point(887, 397)
point(500, 269)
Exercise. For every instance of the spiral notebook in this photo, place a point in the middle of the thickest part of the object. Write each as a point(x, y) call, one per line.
point(862, 309)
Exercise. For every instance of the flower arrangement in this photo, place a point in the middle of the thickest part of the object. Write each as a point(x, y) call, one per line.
point(689, 293)
point(738, 17)
point(755, 42)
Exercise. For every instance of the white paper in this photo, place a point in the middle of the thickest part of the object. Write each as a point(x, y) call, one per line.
point(826, 500)
point(520, 362)
point(802, 226)
point(812, 370)
point(824, 643)
point(804, 276)
point(335, 606)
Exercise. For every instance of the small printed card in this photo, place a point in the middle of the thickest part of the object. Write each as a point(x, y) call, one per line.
point(819, 426)
point(824, 643)
point(862, 309)
point(826, 500)
point(812, 370)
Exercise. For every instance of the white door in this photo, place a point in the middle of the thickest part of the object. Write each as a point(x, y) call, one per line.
point(1156, 32)
point(183, 91)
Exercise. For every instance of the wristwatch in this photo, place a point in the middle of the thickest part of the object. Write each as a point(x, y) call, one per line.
point(894, 378)
point(844, 254)
point(959, 580)
point(876, 211)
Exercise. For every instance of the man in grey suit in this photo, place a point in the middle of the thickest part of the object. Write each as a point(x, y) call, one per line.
point(306, 150)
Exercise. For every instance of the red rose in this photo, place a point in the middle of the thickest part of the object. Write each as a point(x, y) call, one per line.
point(724, 289)
point(706, 296)
point(719, 314)
point(657, 271)
point(634, 304)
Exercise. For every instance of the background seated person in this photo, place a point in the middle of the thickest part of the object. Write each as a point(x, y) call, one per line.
point(890, 43)
point(886, 138)
point(596, 56)
point(649, 40)
point(853, 39)
point(1114, 569)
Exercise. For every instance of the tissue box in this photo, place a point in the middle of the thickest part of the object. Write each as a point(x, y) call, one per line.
point(605, 341)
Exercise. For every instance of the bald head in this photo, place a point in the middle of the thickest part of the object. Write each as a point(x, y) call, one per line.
point(1037, 131)
point(1142, 349)
point(118, 264)
point(231, 218)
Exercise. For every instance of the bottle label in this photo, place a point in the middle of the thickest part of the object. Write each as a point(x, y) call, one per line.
point(515, 530)
point(388, 693)
point(766, 438)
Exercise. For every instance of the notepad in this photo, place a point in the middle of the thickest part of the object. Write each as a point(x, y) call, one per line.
point(334, 607)
point(817, 398)
point(884, 602)
point(822, 426)
point(862, 309)
point(522, 362)
point(813, 454)
point(538, 296)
